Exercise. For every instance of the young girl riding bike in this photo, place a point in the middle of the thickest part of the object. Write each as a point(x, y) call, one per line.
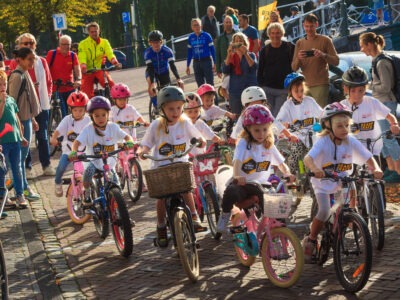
point(168, 134)
point(69, 129)
point(255, 153)
point(98, 137)
point(335, 151)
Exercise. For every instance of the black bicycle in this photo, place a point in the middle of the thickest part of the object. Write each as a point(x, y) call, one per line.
point(106, 90)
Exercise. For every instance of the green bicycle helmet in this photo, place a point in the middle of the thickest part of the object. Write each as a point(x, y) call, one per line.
point(170, 94)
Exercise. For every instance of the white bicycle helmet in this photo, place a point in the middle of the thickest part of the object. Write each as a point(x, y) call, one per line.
point(252, 94)
point(334, 109)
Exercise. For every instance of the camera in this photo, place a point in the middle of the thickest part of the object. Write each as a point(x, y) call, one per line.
point(236, 45)
point(309, 53)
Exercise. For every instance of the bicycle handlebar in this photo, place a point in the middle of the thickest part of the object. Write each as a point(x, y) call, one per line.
point(58, 83)
point(101, 69)
point(131, 126)
point(334, 176)
point(194, 143)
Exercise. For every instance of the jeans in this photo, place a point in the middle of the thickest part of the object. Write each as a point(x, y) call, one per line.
point(390, 146)
point(63, 102)
point(235, 103)
point(203, 72)
point(12, 154)
point(24, 150)
point(90, 170)
point(43, 140)
point(62, 166)
point(275, 98)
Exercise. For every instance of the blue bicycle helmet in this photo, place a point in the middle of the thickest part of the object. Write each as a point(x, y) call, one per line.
point(98, 102)
point(291, 78)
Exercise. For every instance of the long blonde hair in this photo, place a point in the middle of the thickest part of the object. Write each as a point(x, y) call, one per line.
point(268, 143)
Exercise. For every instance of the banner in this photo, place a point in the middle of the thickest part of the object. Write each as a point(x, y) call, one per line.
point(263, 14)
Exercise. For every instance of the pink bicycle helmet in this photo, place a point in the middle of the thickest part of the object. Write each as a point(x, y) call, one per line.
point(256, 115)
point(206, 88)
point(120, 90)
point(192, 101)
point(77, 99)
point(334, 109)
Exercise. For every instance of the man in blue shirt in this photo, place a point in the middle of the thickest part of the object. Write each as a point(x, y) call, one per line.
point(251, 32)
point(201, 50)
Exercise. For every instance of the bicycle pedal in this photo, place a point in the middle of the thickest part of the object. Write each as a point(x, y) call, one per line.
point(133, 223)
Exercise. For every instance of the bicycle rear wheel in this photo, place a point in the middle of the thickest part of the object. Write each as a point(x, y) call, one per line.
point(135, 184)
point(54, 120)
point(186, 245)
point(212, 210)
point(286, 265)
point(376, 217)
point(352, 252)
point(120, 221)
point(75, 210)
point(3, 274)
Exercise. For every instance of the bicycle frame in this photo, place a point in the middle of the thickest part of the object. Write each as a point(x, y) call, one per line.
point(124, 157)
point(76, 179)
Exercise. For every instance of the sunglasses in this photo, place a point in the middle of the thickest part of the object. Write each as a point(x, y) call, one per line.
point(28, 43)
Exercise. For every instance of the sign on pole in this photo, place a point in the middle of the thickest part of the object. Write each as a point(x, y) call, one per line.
point(126, 17)
point(60, 21)
point(264, 13)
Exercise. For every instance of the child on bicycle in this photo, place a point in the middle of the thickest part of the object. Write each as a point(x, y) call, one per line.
point(12, 141)
point(366, 112)
point(123, 113)
point(192, 109)
point(98, 137)
point(254, 154)
point(170, 133)
point(69, 129)
point(335, 151)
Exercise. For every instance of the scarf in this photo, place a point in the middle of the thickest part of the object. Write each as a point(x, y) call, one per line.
point(235, 62)
point(40, 74)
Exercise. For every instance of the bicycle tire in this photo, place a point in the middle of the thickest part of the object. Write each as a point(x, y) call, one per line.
point(283, 275)
point(324, 246)
point(75, 210)
point(213, 210)
point(244, 258)
point(120, 222)
point(352, 278)
point(100, 219)
point(121, 176)
point(54, 120)
point(3, 274)
point(376, 217)
point(152, 111)
point(136, 180)
point(186, 245)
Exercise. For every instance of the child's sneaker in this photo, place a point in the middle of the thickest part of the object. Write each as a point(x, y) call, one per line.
point(30, 194)
point(309, 248)
point(197, 224)
point(223, 222)
point(59, 190)
point(21, 201)
point(162, 237)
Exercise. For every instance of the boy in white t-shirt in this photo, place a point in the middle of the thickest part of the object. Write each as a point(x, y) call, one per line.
point(335, 151)
point(123, 113)
point(69, 129)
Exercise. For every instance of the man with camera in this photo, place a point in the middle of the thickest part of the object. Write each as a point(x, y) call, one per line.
point(313, 54)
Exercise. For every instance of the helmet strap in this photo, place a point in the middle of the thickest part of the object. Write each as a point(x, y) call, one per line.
point(248, 146)
point(97, 126)
point(167, 121)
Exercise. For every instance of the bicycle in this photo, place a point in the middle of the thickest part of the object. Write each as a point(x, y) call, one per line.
point(109, 206)
point(281, 251)
point(168, 183)
point(224, 129)
point(347, 234)
point(106, 91)
point(128, 168)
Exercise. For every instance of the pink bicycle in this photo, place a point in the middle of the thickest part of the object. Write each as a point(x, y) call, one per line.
point(279, 247)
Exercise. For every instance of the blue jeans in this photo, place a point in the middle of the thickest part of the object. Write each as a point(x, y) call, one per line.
point(235, 103)
point(390, 147)
point(90, 170)
point(43, 140)
point(12, 154)
point(276, 98)
point(203, 72)
point(24, 150)
point(62, 166)
point(64, 107)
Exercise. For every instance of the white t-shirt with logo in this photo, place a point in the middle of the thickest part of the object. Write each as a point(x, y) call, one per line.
point(213, 113)
point(127, 116)
point(257, 161)
point(350, 152)
point(164, 144)
point(96, 144)
point(302, 115)
point(206, 132)
point(69, 128)
point(365, 117)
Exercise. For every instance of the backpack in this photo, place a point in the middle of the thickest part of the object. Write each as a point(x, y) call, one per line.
point(396, 70)
point(53, 57)
point(23, 83)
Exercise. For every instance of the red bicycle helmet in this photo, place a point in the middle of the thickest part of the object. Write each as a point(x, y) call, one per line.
point(77, 99)
point(206, 88)
point(120, 90)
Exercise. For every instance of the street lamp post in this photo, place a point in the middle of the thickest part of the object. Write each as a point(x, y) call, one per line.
point(137, 33)
point(196, 7)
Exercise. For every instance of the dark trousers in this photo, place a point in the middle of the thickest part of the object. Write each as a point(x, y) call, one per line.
point(203, 72)
point(237, 193)
point(43, 140)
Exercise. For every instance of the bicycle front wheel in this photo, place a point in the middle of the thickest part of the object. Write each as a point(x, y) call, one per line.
point(121, 222)
point(100, 218)
point(54, 120)
point(135, 182)
point(75, 210)
point(186, 245)
point(3, 274)
point(352, 252)
point(213, 210)
point(376, 216)
point(283, 261)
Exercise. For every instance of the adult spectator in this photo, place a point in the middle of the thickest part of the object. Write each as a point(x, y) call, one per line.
point(222, 44)
point(383, 82)
point(210, 23)
point(201, 50)
point(274, 65)
point(74, 47)
point(294, 11)
point(233, 13)
point(64, 66)
point(92, 50)
point(292, 27)
point(251, 32)
point(41, 77)
point(313, 54)
point(241, 65)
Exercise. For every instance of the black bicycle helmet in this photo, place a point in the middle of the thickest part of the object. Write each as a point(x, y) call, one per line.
point(155, 36)
point(355, 76)
point(170, 94)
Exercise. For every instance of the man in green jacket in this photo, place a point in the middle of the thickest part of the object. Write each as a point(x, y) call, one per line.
point(222, 44)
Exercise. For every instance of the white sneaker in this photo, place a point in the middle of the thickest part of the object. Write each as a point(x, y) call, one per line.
point(29, 174)
point(49, 171)
point(59, 190)
point(223, 222)
point(21, 201)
